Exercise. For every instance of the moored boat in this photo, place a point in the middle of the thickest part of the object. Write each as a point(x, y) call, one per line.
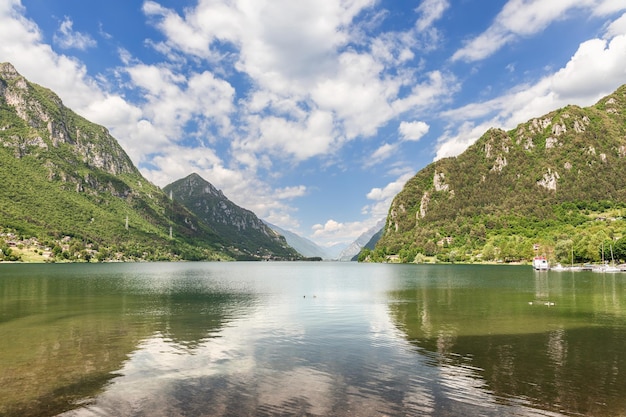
point(540, 263)
point(606, 267)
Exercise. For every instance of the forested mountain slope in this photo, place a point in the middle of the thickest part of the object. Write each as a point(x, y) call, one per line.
point(68, 183)
point(251, 237)
point(557, 181)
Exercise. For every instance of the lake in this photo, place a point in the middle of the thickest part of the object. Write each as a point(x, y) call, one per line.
point(315, 339)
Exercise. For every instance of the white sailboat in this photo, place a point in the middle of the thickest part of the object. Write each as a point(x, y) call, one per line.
point(560, 267)
point(612, 267)
point(605, 267)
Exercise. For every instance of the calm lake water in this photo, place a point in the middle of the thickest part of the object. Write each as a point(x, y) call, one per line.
point(315, 339)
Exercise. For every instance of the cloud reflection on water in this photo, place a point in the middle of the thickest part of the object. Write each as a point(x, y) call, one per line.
point(324, 339)
point(298, 355)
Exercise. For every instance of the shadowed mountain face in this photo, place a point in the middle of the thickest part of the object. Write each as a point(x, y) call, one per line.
point(251, 238)
point(547, 180)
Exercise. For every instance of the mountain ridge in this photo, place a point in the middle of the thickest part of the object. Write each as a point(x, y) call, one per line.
point(250, 235)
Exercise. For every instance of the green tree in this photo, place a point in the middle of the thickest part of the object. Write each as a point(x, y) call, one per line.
point(563, 251)
point(407, 255)
point(364, 254)
point(5, 250)
point(420, 258)
point(430, 248)
point(489, 252)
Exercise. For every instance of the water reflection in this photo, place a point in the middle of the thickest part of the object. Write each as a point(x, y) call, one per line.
point(309, 339)
point(63, 336)
point(555, 345)
point(311, 347)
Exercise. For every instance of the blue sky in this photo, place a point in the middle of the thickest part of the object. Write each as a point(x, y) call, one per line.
point(313, 114)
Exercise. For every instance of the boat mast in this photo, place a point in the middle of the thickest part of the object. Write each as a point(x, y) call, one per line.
point(602, 253)
point(612, 260)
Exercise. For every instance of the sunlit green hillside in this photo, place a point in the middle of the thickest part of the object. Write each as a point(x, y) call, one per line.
point(68, 183)
point(557, 181)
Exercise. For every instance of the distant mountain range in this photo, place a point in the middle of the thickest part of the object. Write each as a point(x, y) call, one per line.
point(68, 184)
point(352, 251)
point(339, 252)
point(303, 245)
point(554, 186)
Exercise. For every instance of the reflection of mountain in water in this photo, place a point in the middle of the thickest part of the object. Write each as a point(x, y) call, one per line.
point(66, 330)
point(187, 317)
point(559, 348)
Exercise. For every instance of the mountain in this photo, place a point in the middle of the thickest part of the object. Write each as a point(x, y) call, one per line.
point(371, 244)
point(250, 237)
point(352, 251)
point(334, 251)
point(555, 185)
point(304, 246)
point(67, 183)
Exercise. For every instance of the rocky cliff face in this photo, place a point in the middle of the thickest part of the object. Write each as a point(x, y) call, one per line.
point(252, 235)
point(53, 125)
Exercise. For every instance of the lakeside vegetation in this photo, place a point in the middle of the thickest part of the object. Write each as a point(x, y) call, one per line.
point(578, 233)
point(15, 248)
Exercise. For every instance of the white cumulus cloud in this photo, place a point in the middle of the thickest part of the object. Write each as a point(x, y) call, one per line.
point(519, 18)
point(616, 27)
point(413, 131)
point(333, 232)
point(596, 69)
point(67, 38)
point(311, 90)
